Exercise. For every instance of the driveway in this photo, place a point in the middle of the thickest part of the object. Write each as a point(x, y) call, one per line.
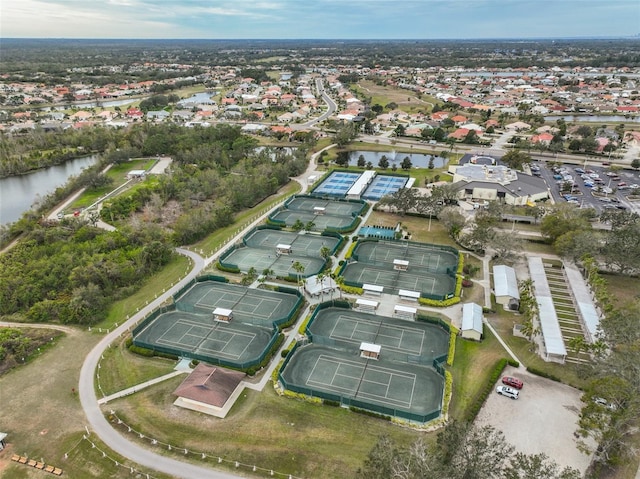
point(543, 419)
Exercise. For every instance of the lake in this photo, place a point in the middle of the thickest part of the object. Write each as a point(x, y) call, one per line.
point(18, 193)
point(595, 118)
point(418, 160)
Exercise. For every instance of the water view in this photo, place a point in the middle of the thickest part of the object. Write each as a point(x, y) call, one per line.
point(19, 193)
point(418, 160)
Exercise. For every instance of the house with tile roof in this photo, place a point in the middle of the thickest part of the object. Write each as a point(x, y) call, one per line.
point(208, 389)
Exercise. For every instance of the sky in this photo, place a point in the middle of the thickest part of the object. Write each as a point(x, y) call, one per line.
point(318, 19)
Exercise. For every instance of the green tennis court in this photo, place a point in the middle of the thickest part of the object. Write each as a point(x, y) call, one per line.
point(332, 207)
point(401, 387)
point(199, 336)
point(425, 282)
point(396, 336)
point(249, 305)
point(321, 222)
point(301, 244)
point(423, 256)
point(247, 258)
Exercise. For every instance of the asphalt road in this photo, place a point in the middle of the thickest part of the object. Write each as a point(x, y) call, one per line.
point(104, 430)
point(331, 108)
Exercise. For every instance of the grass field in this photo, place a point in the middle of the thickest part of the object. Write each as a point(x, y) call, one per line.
point(177, 268)
point(294, 437)
point(624, 288)
point(121, 369)
point(406, 100)
point(471, 370)
point(118, 175)
point(416, 226)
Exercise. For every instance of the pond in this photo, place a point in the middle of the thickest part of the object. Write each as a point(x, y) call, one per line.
point(595, 118)
point(418, 160)
point(18, 193)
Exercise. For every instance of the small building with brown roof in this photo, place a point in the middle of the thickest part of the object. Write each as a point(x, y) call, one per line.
point(208, 389)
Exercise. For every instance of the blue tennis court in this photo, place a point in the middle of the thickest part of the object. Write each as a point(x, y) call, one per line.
point(337, 184)
point(385, 232)
point(384, 185)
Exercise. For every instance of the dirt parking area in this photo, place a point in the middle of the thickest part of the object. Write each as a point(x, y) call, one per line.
point(543, 419)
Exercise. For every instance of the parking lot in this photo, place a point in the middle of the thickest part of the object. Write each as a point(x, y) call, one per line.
point(593, 186)
point(542, 420)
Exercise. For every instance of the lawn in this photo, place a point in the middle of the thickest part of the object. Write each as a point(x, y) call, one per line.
point(406, 100)
point(623, 288)
point(120, 311)
point(121, 369)
point(418, 227)
point(503, 322)
point(287, 435)
point(118, 175)
point(471, 370)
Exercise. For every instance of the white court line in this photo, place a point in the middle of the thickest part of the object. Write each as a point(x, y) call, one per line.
point(332, 333)
point(234, 334)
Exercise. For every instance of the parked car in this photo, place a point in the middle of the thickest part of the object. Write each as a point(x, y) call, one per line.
point(507, 392)
point(512, 382)
point(579, 170)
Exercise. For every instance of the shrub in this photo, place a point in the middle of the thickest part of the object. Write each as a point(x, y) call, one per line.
point(148, 353)
point(460, 263)
point(448, 389)
point(351, 289)
point(369, 413)
point(276, 371)
point(194, 363)
point(452, 345)
point(284, 353)
point(227, 269)
point(329, 402)
point(350, 250)
point(482, 396)
point(303, 326)
point(513, 362)
point(251, 372)
point(543, 374)
point(467, 283)
point(439, 303)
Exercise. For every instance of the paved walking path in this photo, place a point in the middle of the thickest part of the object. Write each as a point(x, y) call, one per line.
point(139, 387)
point(91, 404)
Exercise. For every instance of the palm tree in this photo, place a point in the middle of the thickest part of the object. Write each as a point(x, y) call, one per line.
point(325, 252)
point(267, 274)
point(298, 268)
point(320, 279)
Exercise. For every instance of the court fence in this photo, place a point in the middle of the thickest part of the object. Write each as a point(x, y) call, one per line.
point(437, 362)
point(246, 366)
point(351, 401)
point(199, 279)
point(452, 272)
point(224, 266)
point(277, 326)
point(174, 351)
point(259, 228)
point(363, 208)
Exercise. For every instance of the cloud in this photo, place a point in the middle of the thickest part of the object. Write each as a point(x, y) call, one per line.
point(317, 18)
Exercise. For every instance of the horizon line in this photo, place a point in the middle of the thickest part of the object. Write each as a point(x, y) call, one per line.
point(579, 37)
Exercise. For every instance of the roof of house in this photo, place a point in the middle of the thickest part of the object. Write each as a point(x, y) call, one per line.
point(472, 317)
point(211, 385)
point(505, 282)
